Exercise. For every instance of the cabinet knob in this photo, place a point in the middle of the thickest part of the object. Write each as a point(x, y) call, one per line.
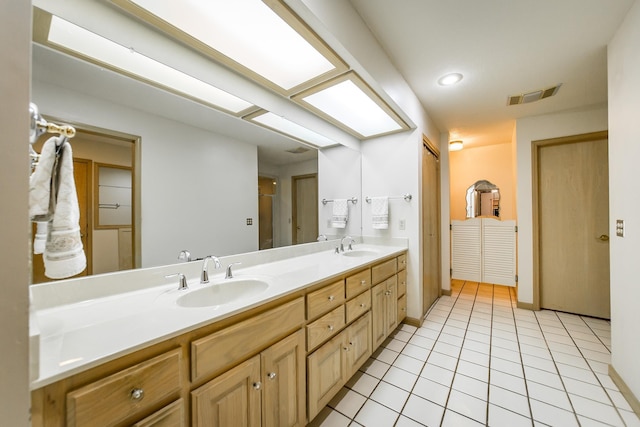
point(387, 293)
point(330, 327)
point(363, 282)
point(271, 375)
point(137, 394)
point(363, 305)
point(346, 348)
point(331, 297)
point(257, 385)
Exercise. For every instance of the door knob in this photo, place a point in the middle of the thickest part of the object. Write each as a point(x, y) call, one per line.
point(604, 237)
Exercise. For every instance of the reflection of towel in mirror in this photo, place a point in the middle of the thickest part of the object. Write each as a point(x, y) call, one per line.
point(41, 194)
point(340, 213)
point(380, 213)
point(64, 255)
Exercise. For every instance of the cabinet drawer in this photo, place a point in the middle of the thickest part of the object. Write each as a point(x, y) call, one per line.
point(325, 327)
point(382, 271)
point(402, 282)
point(402, 308)
point(402, 262)
point(112, 399)
point(170, 416)
point(221, 350)
point(325, 299)
point(358, 283)
point(358, 305)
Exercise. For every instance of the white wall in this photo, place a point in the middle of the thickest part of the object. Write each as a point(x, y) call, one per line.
point(198, 187)
point(624, 203)
point(532, 129)
point(15, 33)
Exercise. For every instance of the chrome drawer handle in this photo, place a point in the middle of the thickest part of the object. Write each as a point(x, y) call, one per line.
point(257, 385)
point(330, 327)
point(331, 297)
point(271, 375)
point(137, 394)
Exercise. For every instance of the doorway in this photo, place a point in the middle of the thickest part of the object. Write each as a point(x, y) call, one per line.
point(571, 222)
point(431, 274)
point(304, 190)
point(266, 194)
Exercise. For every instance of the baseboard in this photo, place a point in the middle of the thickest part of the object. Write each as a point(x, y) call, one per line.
point(525, 305)
point(445, 292)
point(625, 390)
point(412, 322)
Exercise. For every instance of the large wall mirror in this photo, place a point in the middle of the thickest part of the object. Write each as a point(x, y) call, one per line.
point(198, 174)
point(483, 199)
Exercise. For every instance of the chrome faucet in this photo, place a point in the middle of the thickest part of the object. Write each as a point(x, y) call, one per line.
point(182, 280)
point(322, 237)
point(204, 277)
point(351, 241)
point(229, 273)
point(184, 255)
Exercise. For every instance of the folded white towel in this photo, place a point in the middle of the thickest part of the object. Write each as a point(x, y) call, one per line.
point(64, 255)
point(380, 213)
point(41, 197)
point(340, 214)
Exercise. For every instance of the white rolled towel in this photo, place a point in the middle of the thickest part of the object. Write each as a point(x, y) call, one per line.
point(340, 214)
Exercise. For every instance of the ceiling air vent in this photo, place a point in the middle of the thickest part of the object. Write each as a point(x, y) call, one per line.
point(537, 95)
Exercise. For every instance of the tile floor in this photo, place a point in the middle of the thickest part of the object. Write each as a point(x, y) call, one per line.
point(478, 360)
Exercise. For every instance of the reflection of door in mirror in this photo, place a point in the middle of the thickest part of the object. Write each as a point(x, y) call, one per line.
point(483, 199)
point(305, 208)
point(266, 193)
point(106, 248)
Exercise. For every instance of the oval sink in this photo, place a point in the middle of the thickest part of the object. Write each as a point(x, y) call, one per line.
point(225, 292)
point(360, 253)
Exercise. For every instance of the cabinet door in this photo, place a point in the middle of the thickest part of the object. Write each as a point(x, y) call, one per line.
point(232, 399)
point(391, 305)
point(326, 374)
point(378, 299)
point(170, 416)
point(359, 344)
point(283, 372)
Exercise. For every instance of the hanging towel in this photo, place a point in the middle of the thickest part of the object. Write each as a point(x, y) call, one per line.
point(380, 213)
point(40, 240)
point(340, 213)
point(41, 194)
point(64, 255)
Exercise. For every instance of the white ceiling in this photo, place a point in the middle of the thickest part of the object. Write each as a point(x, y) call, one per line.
point(502, 47)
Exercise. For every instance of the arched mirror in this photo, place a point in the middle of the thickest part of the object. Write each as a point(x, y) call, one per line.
point(483, 199)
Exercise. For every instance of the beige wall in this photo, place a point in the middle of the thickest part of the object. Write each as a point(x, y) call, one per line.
point(493, 163)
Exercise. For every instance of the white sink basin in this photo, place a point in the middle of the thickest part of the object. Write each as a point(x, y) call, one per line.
point(224, 292)
point(357, 253)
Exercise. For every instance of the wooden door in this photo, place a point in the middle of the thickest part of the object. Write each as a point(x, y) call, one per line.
point(305, 208)
point(266, 194)
point(359, 344)
point(82, 178)
point(573, 217)
point(431, 276)
point(284, 382)
point(232, 399)
point(326, 374)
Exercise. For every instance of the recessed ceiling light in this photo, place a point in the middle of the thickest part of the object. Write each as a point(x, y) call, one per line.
point(449, 79)
point(455, 145)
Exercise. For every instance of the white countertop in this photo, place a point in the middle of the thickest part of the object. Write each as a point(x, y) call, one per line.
point(81, 334)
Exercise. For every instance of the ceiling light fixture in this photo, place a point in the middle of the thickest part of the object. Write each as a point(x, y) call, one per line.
point(349, 103)
point(449, 79)
point(455, 145)
point(83, 44)
point(263, 40)
point(287, 127)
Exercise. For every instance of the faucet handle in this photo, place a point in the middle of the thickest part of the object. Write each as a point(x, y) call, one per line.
point(182, 280)
point(322, 237)
point(229, 273)
point(184, 255)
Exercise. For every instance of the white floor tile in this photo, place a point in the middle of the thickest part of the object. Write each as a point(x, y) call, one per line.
point(347, 402)
point(329, 418)
point(590, 391)
point(503, 353)
point(423, 411)
point(363, 383)
point(452, 330)
point(443, 361)
point(532, 350)
point(593, 346)
point(508, 344)
point(630, 418)
point(407, 422)
point(400, 378)
point(540, 363)
point(427, 333)
point(596, 356)
point(552, 415)
point(549, 395)
point(595, 410)
point(385, 355)
point(394, 344)
point(599, 367)
point(606, 381)
point(437, 374)
point(577, 373)
point(500, 417)
point(618, 400)
point(450, 339)
point(508, 382)
point(416, 352)
point(471, 386)
point(427, 389)
point(477, 336)
point(474, 357)
point(375, 368)
point(421, 341)
point(374, 414)
point(543, 377)
point(472, 370)
point(509, 400)
point(506, 366)
point(452, 418)
point(409, 364)
point(567, 359)
point(468, 406)
point(401, 335)
point(390, 396)
point(480, 347)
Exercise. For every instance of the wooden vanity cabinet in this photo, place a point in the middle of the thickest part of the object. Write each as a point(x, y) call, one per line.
point(384, 305)
point(402, 288)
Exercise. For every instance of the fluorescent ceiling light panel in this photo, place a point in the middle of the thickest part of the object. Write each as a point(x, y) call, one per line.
point(265, 38)
point(121, 59)
point(350, 104)
point(289, 128)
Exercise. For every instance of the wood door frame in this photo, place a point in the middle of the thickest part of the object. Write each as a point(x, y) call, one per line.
point(535, 184)
point(294, 203)
point(88, 251)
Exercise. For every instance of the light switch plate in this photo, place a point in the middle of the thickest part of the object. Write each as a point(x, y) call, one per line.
point(620, 227)
point(402, 224)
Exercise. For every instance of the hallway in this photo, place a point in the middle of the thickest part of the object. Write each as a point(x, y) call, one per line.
point(478, 360)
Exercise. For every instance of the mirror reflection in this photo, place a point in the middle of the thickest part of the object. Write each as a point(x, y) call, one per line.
point(483, 199)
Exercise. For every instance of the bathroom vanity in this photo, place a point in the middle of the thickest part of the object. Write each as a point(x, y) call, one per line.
point(275, 356)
